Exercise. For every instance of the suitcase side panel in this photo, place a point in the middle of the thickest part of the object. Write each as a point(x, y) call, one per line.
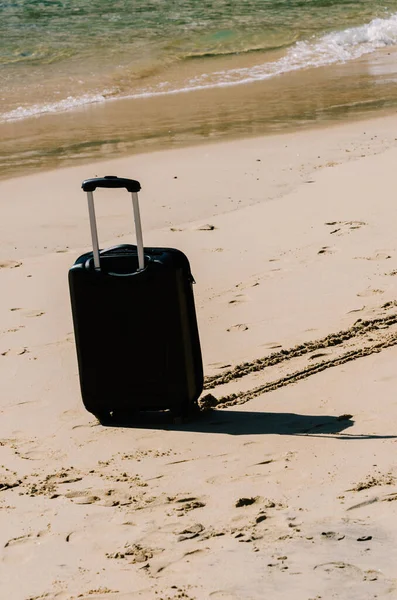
point(190, 338)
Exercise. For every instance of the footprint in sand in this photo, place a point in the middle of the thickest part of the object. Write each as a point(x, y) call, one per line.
point(108, 498)
point(21, 549)
point(245, 502)
point(239, 298)
point(188, 504)
point(343, 227)
point(82, 498)
point(14, 329)
point(135, 553)
point(370, 292)
point(37, 453)
point(10, 264)
point(100, 531)
point(244, 284)
point(29, 313)
point(15, 352)
point(325, 250)
point(34, 455)
point(33, 313)
point(280, 564)
point(238, 327)
point(332, 535)
point(339, 571)
point(206, 228)
point(373, 575)
point(191, 532)
point(260, 518)
point(342, 574)
point(381, 255)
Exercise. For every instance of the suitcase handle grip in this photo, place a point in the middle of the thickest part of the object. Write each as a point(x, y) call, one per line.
point(111, 181)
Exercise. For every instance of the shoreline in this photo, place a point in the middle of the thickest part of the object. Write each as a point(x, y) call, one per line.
point(123, 127)
point(288, 493)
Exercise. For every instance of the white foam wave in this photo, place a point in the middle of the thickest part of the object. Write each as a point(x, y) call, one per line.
point(69, 103)
point(335, 47)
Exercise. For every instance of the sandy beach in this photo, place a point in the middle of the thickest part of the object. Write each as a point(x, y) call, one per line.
point(286, 488)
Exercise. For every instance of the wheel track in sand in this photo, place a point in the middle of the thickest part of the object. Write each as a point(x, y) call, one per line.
point(377, 331)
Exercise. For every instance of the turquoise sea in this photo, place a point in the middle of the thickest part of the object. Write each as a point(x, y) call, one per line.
point(86, 78)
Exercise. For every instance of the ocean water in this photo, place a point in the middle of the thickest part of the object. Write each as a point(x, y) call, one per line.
point(82, 78)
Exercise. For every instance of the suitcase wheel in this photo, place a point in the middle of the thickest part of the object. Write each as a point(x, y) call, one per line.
point(182, 415)
point(104, 417)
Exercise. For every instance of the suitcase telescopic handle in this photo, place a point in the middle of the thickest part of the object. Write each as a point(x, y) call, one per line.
point(111, 181)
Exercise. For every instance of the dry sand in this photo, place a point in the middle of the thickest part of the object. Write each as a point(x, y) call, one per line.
point(288, 489)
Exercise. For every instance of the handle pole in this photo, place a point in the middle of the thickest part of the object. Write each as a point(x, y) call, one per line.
point(138, 230)
point(94, 231)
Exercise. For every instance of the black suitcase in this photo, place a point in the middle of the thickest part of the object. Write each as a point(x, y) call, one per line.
point(135, 325)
